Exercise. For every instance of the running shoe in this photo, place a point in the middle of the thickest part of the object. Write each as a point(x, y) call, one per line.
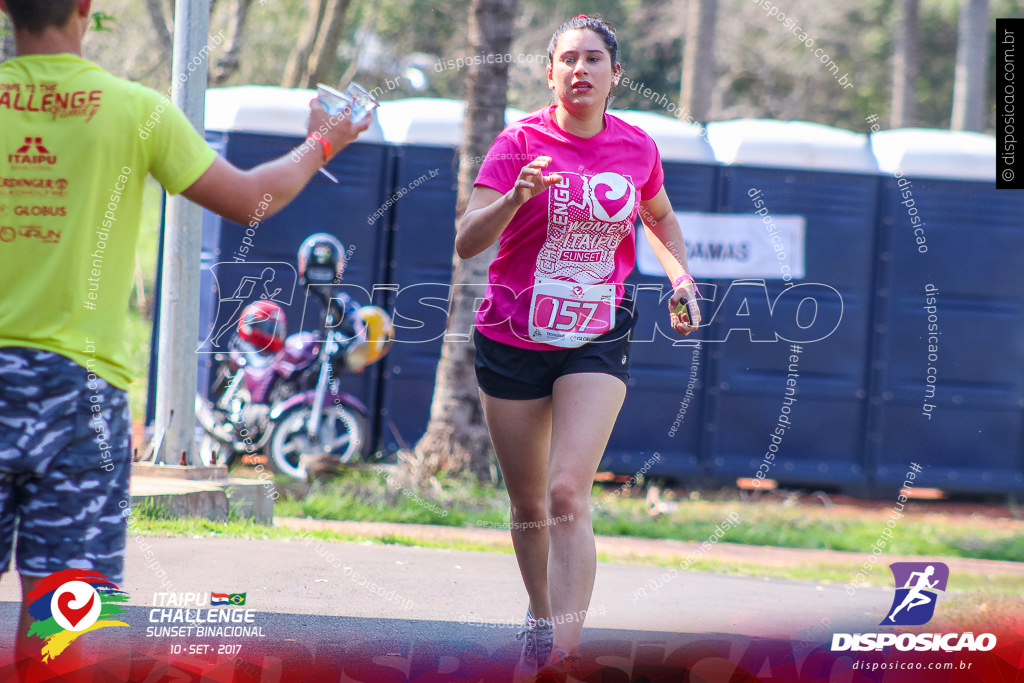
point(538, 637)
point(563, 668)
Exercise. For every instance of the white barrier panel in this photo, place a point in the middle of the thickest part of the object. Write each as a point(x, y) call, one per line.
point(734, 246)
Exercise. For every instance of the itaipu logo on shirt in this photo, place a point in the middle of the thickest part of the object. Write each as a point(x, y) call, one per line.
point(588, 216)
point(32, 152)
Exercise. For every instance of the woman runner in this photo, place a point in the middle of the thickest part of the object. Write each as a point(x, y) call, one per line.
point(561, 190)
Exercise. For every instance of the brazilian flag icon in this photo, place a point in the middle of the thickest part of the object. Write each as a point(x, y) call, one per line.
point(237, 599)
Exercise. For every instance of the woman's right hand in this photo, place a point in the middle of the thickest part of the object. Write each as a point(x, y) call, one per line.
point(532, 182)
point(489, 211)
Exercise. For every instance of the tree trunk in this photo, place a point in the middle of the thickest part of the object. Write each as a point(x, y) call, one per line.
point(229, 63)
point(324, 57)
point(161, 26)
point(904, 68)
point(971, 54)
point(699, 59)
point(295, 71)
point(456, 439)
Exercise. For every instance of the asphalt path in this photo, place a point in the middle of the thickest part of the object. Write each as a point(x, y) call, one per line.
point(405, 607)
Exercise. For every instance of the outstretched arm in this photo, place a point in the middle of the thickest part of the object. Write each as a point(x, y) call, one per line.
point(238, 195)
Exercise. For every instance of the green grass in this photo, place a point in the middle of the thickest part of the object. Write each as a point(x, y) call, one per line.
point(974, 595)
point(148, 524)
point(840, 573)
point(855, 530)
point(365, 495)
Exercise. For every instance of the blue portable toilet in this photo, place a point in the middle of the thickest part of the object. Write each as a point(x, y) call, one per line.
point(789, 340)
point(250, 125)
point(948, 385)
point(659, 428)
point(420, 215)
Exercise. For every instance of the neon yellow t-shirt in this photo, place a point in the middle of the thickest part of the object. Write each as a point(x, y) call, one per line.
point(76, 144)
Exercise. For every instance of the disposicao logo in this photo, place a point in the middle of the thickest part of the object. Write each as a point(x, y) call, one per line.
point(917, 587)
point(71, 602)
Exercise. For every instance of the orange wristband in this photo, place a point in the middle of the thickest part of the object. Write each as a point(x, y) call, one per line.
point(324, 144)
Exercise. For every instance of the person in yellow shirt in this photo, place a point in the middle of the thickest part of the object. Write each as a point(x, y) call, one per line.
point(76, 144)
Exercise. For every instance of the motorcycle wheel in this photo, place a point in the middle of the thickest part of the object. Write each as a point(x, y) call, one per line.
point(342, 434)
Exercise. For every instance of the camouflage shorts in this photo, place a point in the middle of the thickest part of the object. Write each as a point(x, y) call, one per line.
point(64, 465)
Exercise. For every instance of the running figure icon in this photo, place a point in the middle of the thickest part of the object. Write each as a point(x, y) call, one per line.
point(917, 596)
point(917, 585)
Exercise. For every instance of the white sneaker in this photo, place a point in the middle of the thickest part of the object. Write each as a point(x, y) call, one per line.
point(539, 635)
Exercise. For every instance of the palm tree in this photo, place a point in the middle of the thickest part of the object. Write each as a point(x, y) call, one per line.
point(456, 438)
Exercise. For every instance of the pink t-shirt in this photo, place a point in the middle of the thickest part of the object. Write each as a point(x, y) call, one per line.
point(562, 259)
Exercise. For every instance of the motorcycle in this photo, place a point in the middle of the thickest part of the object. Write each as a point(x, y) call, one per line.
point(287, 401)
point(324, 420)
point(282, 394)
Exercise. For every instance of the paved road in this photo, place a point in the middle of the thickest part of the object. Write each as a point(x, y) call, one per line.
point(363, 602)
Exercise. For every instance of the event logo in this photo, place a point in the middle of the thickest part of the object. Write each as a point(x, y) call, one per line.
point(202, 615)
point(588, 217)
point(612, 197)
point(71, 602)
point(916, 586)
point(913, 605)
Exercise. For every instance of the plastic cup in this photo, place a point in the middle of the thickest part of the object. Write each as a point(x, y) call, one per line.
point(355, 99)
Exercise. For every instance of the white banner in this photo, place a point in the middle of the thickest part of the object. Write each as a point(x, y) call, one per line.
point(735, 245)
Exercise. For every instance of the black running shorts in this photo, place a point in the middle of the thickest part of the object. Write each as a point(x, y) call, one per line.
point(511, 372)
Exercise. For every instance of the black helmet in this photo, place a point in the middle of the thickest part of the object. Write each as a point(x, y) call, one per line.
point(321, 260)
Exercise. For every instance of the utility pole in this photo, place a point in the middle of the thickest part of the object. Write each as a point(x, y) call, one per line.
point(179, 286)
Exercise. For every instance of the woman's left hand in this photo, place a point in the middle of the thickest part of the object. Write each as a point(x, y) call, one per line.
point(684, 313)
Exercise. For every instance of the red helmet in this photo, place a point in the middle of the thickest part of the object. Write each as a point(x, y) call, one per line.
point(262, 324)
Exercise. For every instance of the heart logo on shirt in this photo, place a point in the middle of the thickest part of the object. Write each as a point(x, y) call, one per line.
point(612, 197)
